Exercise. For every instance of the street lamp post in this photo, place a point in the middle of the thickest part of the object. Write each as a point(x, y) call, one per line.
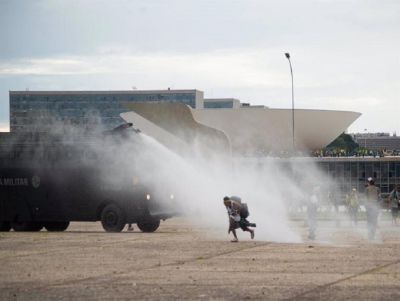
point(291, 73)
point(365, 138)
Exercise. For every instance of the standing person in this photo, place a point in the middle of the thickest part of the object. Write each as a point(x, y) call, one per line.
point(136, 183)
point(353, 205)
point(335, 201)
point(312, 208)
point(394, 198)
point(372, 206)
point(236, 217)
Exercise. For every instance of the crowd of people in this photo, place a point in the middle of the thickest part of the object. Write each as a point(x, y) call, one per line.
point(325, 152)
point(238, 211)
point(359, 152)
point(371, 200)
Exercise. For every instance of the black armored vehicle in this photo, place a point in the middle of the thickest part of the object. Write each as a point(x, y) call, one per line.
point(50, 179)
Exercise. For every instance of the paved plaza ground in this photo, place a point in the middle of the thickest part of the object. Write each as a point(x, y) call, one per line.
point(180, 261)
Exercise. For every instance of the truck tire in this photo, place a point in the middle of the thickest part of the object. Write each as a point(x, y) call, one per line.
point(26, 226)
point(5, 226)
point(149, 225)
point(56, 226)
point(113, 218)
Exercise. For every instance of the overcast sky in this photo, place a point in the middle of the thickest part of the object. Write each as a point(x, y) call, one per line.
point(345, 54)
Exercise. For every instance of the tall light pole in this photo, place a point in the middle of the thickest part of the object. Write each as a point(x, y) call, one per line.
point(291, 73)
point(365, 138)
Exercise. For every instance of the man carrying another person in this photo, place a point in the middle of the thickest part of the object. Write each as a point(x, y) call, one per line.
point(237, 213)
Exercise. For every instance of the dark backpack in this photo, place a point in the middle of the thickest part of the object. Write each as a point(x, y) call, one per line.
point(244, 211)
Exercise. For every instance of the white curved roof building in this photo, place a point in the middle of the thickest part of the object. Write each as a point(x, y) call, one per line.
point(249, 130)
point(182, 114)
point(263, 129)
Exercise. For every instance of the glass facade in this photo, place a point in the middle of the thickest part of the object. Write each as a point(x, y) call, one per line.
point(349, 174)
point(346, 173)
point(34, 110)
point(221, 103)
point(227, 104)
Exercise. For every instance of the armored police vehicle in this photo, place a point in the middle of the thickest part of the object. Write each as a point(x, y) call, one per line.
point(50, 179)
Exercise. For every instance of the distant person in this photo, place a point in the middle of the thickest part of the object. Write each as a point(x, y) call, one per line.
point(353, 205)
point(237, 213)
point(372, 206)
point(394, 199)
point(335, 201)
point(312, 208)
point(136, 183)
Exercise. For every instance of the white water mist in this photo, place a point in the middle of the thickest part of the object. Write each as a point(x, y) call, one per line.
point(199, 185)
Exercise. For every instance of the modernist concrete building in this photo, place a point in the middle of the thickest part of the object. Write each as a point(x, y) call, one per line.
point(262, 130)
point(34, 110)
point(250, 130)
point(378, 141)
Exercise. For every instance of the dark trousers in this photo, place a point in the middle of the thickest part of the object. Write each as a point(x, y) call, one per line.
point(395, 212)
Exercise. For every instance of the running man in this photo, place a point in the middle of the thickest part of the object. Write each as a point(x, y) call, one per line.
point(237, 218)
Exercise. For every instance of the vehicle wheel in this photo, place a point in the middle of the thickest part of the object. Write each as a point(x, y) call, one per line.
point(5, 226)
point(149, 225)
point(56, 226)
point(26, 226)
point(113, 218)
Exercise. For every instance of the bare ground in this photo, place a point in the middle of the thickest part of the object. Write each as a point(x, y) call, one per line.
point(181, 262)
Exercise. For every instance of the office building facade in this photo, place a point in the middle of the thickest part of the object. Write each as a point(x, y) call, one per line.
point(35, 110)
point(378, 143)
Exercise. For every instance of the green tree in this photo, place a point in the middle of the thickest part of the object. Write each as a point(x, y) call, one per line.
point(344, 141)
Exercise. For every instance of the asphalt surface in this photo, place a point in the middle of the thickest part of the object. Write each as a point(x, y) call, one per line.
point(182, 262)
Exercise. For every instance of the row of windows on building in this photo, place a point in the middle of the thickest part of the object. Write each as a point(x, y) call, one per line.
point(93, 98)
point(28, 111)
point(72, 105)
point(64, 106)
point(355, 174)
point(361, 169)
point(36, 114)
point(218, 104)
point(67, 120)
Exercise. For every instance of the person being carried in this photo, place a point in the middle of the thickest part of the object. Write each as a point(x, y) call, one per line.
point(237, 213)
